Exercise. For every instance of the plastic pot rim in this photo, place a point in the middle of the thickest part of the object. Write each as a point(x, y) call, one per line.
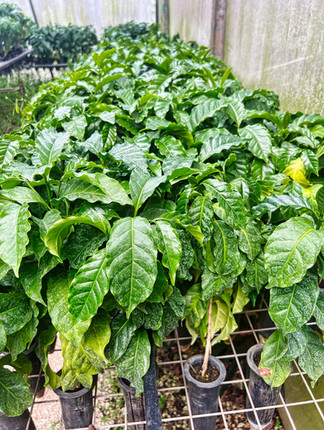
point(73, 394)
point(258, 348)
point(215, 362)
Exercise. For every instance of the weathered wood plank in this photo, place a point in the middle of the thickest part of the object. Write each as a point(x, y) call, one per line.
point(279, 45)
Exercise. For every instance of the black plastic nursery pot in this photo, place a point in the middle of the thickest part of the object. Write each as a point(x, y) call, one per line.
point(135, 408)
point(261, 393)
point(36, 368)
point(77, 407)
point(16, 423)
point(203, 396)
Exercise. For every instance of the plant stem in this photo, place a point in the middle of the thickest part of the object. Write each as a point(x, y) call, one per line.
point(208, 339)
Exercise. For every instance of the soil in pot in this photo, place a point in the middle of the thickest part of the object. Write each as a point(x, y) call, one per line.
point(203, 391)
point(261, 393)
point(16, 423)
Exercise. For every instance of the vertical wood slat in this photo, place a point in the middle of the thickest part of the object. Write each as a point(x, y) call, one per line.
point(162, 16)
point(218, 28)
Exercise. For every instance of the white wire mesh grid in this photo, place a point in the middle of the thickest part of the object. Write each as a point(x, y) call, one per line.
point(185, 421)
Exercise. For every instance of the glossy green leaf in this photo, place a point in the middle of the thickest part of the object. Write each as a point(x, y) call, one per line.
point(82, 243)
point(218, 144)
point(202, 214)
point(122, 330)
point(15, 311)
point(142, 186)
point(58, 308)
point(225, 250)
point(250, 240)
point(76, 126)
point(49, 145)
point(319, 310)
point(297, 342)
point(96, 338)
point(14, 228)
point(134, 364)
point(8, 149)
point(290, 308)
point(14, 393)
point(131, 262)
point(272, 203)
point(312, 359)
point(205, 110)
point(3, 337)
point(170, 247)
point(22, 195)
point(259, 140)
point(235, 109)
point(240, 300)
point(130, 154)
point(213, 284)
point(256, 274)
point(89, 287)
point(291, 250)
point(228, 199)
point(58, 231)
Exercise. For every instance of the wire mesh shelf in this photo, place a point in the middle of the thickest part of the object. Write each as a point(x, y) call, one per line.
point(110, 413)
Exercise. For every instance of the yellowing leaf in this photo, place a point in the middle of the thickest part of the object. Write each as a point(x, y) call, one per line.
point(296, 170)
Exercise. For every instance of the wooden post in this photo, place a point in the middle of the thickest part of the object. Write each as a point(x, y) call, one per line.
point(162, 14)
point(219, 28)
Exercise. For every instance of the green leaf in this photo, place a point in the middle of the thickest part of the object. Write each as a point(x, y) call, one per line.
point(60, 230)
point(130, 154)
point(142, 186)
point(310, 161)
point(290, 308)
point(82, 243)
point(76, 126)
point(22, 195)
point(235, 109)
point(96, 338)
point(170, 247)
point(58, 308)
point(212, 284)
point(19, 341)
point(14, 228)
point(89, 287)
point(225, 250)
point(131, 263)
point(160, 287)
point(250, 240)
point(312, 359)
point(134, 364)
point(205, 110)
point(15, 311)
point(273, 368)
point(77, 369)
point(46, 338)
point(240, 300)
point(122, 330)
point(94, 143)
point(177, 302)
point(49, 145)
point(319, 310)
point(230, 200)
point(297, 342)
point(259, 140)
point(94, 187)
point(202, 214)
point(218, 144)
point(291, 250)
point(153, 316)
point(8, 149)
point(31, 275)
point(14, 393)
point(3, 337)
point(256, 275)
point(272, 203)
